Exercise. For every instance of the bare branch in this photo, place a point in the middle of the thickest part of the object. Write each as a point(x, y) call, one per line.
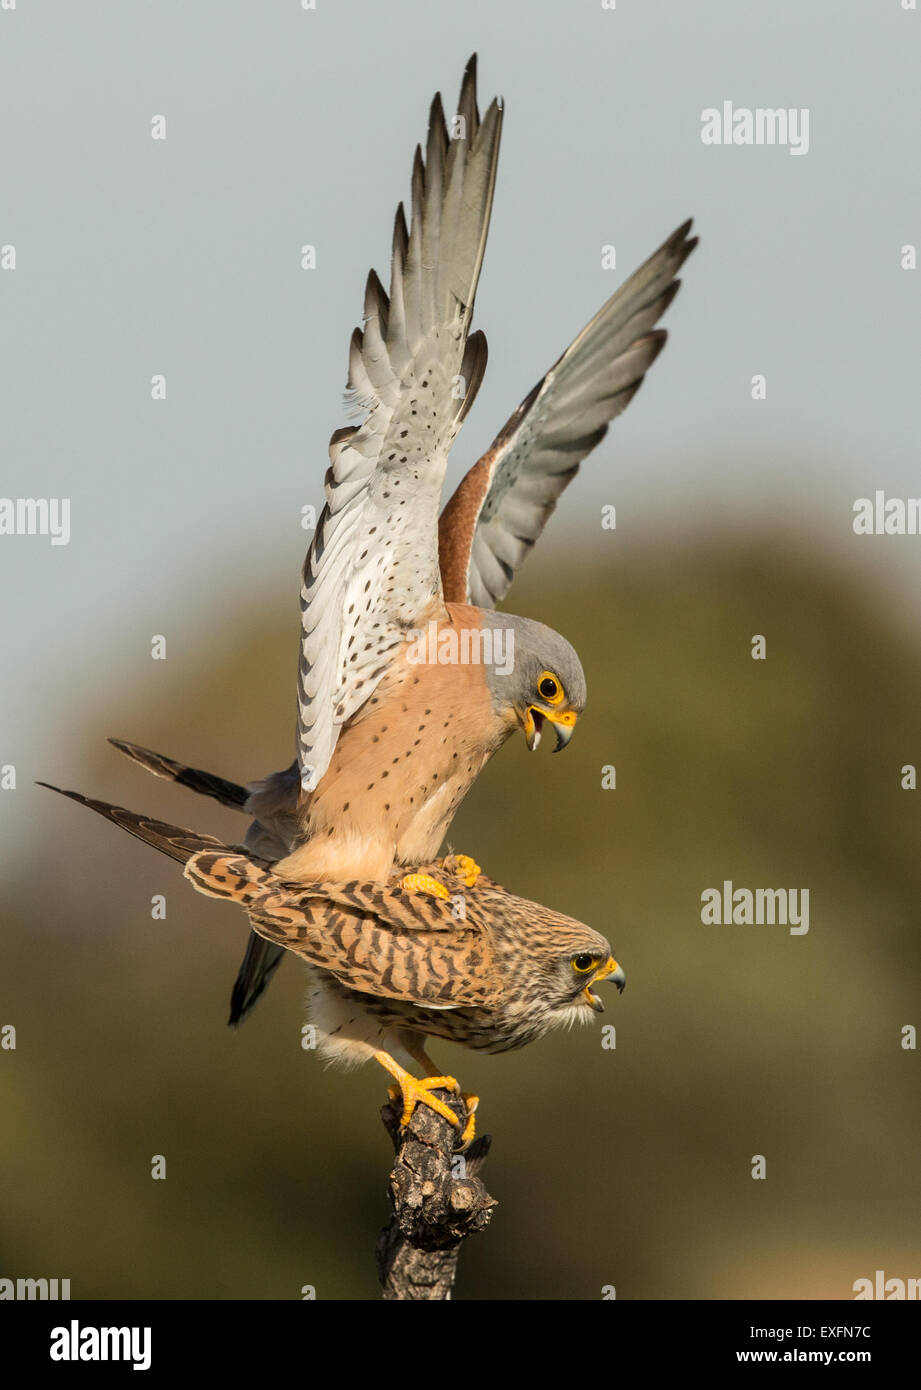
point(437, 1198)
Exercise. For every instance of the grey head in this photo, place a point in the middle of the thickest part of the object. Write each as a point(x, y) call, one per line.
point(534, 675)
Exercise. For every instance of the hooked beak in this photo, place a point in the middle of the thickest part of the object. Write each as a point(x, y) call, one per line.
point(609, 971)
point(563, 722)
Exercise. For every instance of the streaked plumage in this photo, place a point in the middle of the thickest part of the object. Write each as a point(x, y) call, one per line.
point(390, 968)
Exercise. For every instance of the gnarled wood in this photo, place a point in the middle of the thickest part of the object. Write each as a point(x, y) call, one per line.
point(438, 1200)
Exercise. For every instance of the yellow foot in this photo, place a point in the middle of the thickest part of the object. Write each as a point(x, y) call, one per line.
point(415, 1092)
point(462, 864)
point(424, 883)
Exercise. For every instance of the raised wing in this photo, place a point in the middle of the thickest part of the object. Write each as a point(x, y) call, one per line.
point(505, 501)
point(372, 572)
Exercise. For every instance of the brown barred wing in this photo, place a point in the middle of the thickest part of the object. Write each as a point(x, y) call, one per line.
point(376, 939)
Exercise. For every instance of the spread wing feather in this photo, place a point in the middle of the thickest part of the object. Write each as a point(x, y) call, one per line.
point(506, 499)
point(372, 572)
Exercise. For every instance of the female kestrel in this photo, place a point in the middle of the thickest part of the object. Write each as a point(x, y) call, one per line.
point(391, 968)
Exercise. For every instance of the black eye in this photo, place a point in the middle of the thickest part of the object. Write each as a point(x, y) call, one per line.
point(548, 688)
point(583, 963)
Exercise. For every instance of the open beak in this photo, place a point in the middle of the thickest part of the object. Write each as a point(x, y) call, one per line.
point(563, 722)
point(609, 971)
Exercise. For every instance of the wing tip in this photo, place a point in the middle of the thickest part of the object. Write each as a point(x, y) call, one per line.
point(377, 301)
point(680, 244)
point(656, 338)
point(467, 98)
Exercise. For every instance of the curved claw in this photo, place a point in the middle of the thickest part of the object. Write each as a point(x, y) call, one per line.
point(471, 1101)
point(463, 865)
point(418, 1092)
point(424, 883)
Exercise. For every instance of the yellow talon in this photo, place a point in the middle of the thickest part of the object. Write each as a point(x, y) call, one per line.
point(418, 1092)
point(471, 1102)
point(424, 883)
point(462, 864)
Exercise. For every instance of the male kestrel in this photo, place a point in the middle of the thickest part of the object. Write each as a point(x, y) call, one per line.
point(390, 734)
point(390, 968)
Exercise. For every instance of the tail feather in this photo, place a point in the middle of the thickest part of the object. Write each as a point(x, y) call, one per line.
point(173, 840)
point(205, 783)
point(262, 957)
point(261, 961)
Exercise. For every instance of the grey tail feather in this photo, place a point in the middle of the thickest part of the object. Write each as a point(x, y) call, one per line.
point(262, 957)
point(205, 783)
point(178, 843)
point(261, 961)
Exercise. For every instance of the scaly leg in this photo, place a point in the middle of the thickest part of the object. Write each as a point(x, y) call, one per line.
point(417, 1051)
point(416, 1092)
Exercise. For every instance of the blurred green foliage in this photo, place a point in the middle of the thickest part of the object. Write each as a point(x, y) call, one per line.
point(628, 1167)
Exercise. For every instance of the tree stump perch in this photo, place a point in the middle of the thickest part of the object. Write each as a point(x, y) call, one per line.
point(437, 1199)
